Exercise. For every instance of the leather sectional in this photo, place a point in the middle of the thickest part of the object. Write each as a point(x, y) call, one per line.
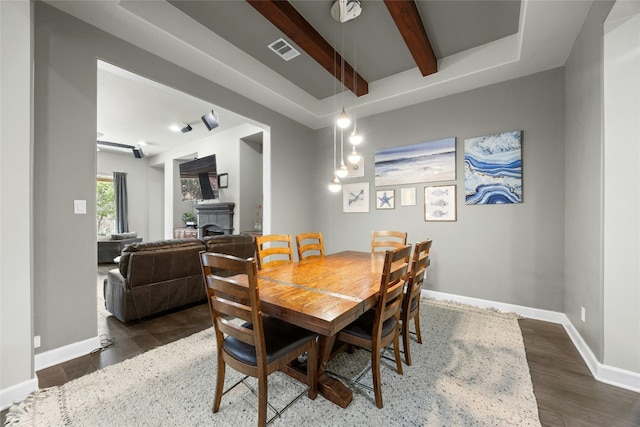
point(154, 277)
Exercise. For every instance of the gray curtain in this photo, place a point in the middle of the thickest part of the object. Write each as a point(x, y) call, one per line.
point(122, 206)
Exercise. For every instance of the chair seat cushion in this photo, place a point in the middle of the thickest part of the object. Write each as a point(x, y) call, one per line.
point(362, 327)
point(280, 337)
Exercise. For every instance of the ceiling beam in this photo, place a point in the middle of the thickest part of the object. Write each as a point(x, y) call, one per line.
point(407, 18)
point(288, 20)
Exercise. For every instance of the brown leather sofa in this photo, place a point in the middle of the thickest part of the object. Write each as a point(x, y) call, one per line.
point(154, 277)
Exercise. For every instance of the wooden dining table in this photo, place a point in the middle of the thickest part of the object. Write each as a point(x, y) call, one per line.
point(323, 294)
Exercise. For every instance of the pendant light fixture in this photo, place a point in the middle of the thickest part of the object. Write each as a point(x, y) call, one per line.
point(354, 157)
point(335, 185)
point(343, 120)
point(356, 136)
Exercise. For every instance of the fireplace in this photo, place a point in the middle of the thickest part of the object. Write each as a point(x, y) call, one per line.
point(215, 218)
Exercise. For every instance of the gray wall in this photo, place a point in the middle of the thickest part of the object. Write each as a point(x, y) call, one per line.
point(66, 51)
point(507, 253)
point(16, 194)
point(250, 194)
point(584, 205)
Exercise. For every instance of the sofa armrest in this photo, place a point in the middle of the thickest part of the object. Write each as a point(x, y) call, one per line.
point(115, 294)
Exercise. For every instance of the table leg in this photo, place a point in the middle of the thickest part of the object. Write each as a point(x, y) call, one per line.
point(331, 388)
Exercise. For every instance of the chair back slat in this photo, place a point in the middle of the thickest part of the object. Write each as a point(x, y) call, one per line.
point(273, 250)
point(226, 286)
point(383, 240)
point(231, 308)
point(239, 332)
point(309, 245)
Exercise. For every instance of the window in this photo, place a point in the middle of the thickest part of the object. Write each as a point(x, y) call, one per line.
point(105, 206)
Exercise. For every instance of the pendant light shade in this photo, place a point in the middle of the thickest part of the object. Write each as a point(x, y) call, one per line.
point(343, 120)
point(354, 157)
point(335, 185)
point(342, 171)
point(356, 137)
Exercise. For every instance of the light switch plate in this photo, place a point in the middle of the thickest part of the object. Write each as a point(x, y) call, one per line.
point(80, 207)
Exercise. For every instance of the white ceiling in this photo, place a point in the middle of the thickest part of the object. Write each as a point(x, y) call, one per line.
point(133, 110)
point(546, 31)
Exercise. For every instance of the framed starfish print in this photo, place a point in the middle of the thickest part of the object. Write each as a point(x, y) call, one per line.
point(385, 199)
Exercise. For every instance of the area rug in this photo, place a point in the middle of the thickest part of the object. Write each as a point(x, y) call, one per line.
point(470, 370)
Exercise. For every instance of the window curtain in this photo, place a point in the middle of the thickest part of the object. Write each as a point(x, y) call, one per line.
point(122, 206)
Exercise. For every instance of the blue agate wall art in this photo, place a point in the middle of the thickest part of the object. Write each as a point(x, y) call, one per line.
point(493, 169)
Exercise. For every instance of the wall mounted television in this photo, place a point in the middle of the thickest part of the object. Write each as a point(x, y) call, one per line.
point(199, 179)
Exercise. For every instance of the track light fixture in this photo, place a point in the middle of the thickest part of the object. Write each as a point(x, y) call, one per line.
point(185, 127)
point(210, 120)
point(137, 152)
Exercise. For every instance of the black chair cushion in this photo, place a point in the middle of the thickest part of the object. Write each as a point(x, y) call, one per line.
point(280, 337)
point(362, 327)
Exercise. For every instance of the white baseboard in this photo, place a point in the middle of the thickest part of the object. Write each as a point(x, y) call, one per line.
point(604, 373)
point(607, 374)
point(67, 352)
point(17, 393)
point(44, 360)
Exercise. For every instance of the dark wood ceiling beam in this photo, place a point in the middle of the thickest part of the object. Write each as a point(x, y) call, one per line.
point(288, 20)
point(407, 18)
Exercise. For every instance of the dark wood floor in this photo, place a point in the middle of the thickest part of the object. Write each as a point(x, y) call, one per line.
point(566, 392)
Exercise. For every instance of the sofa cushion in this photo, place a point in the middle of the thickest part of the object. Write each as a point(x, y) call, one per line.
point(240, 245)
point(160, 245)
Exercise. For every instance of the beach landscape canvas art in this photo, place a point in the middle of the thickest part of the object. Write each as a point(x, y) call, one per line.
point(493, 169)
point(425, 162)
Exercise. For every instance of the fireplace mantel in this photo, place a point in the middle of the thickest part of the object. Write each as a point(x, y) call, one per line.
point(218, 216)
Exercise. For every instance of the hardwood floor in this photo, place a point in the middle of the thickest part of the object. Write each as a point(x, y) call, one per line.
point(566, 392)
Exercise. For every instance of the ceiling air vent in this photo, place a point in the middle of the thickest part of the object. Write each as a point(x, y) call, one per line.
point(284, 49)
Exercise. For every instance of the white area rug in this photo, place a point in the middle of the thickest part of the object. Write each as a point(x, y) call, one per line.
point(471, 370)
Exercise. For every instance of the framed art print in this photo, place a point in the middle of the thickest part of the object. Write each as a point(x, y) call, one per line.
point(408, 196)
point(385, 199)
point(493, 169)
point(440, 203)
point(425, 162)
point(223, 180)
point(355, 197)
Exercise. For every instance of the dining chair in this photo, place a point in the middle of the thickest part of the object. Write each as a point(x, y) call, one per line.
point(379, 327)
point(411, 299)
point(385, 240)
point(262, 344)
point(309, 245)
point(273, 250)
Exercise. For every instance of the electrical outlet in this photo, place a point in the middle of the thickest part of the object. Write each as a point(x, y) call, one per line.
point(36, 341)
point(583, 313)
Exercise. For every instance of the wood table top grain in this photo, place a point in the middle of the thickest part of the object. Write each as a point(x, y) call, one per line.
point(322, 294)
